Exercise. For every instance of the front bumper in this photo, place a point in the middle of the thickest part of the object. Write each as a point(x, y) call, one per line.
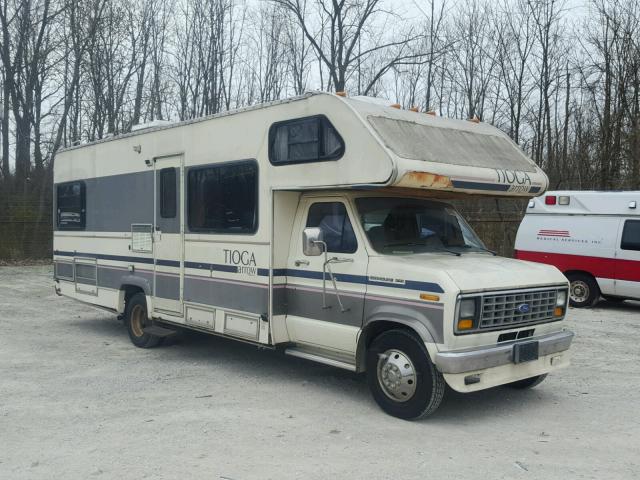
point(471, 360)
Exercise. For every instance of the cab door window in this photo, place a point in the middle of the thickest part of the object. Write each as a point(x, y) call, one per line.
point(333, 220)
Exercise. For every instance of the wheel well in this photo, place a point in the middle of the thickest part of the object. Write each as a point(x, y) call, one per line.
point(370, 332)
point(128, 292)
point(578, 272)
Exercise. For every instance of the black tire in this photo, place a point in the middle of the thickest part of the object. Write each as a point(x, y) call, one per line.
point(136, 319)
point(583, 290)
point(428, 387)
point(527, 382)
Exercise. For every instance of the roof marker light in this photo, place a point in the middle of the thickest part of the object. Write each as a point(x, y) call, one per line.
point(414, 109)
point(395, 105)
point(550, 200)
point(564, 200)
point(431, 112)
point(341, 93)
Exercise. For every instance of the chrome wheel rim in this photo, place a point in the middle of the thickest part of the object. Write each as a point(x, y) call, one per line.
point(579, 291)
point(138, 320)
point(397, 375)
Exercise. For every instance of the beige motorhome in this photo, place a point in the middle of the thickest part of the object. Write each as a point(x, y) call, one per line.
point(317, 225)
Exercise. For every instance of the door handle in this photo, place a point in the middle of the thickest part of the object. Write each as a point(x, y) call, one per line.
point(301, 262)
point(340, 260)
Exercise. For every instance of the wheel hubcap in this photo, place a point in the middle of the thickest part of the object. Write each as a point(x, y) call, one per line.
point(579, 291)
point(396, 375)
point(138, 320)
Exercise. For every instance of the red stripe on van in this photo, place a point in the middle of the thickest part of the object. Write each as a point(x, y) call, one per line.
point(601, 267)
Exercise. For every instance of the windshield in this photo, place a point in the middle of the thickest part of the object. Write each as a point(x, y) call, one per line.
point(397, 226)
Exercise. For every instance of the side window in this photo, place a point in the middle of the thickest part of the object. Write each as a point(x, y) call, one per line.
point(333, 220)
point(309, 139)
point(71, 206)
point(168, 200)
point(631, 235)
point(223, 198)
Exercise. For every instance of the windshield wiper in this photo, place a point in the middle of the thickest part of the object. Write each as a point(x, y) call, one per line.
point(420, 244)
point(405, 244)
point(484, 249)
point(453, 252)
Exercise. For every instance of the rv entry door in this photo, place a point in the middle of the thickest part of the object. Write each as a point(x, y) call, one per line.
point(168, 236)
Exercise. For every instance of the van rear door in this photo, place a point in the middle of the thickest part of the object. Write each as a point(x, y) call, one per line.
point(627, 269)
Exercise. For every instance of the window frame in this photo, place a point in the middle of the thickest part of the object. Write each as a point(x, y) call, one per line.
point(83, 207)
point(322, 118)
point(256, 226)
point(162, 212)
point(624, 246)
point(314, 201)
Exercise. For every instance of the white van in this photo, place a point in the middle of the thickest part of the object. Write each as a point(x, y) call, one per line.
point(591, 237)
point(316, 225)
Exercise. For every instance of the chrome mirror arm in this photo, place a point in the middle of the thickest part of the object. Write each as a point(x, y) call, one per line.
point(326, 266)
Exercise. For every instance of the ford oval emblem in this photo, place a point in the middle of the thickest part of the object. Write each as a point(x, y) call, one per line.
point(524, 308)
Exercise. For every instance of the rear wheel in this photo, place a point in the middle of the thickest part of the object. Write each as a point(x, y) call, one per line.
point(401, 377)
point(527, 382)
point(583, 291)
point(137, 319)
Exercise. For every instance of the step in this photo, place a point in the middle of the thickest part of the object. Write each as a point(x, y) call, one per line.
point(159, 331)
point(316, 357)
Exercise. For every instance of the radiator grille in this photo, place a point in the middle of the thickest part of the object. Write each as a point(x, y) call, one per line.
point(507, 309)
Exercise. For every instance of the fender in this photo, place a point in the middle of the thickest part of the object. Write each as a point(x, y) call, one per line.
point(135, 281)
point(428, 327)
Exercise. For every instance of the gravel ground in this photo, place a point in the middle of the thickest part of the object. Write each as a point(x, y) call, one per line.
point(78, 401)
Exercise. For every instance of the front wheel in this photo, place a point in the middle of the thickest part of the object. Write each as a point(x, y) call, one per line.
point(401, 377)
point(583, 290)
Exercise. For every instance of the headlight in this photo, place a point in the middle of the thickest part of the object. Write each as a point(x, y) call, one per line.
point(468, 308)
point(561, 302)
point(466, 315)
point(561, 299)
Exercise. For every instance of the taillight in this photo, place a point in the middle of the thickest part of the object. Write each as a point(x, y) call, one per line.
point(550, 200)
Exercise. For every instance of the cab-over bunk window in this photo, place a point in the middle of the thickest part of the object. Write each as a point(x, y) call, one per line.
point(223, 198)
point(71, 206)
point(308, 139)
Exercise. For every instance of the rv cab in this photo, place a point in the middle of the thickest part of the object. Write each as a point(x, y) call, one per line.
point(318, 226)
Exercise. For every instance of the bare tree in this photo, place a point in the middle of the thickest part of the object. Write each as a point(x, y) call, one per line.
point(337, 37)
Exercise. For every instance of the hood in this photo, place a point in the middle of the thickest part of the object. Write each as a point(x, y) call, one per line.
point(471, 272)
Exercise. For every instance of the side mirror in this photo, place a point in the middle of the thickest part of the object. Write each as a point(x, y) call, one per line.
point(312, 244)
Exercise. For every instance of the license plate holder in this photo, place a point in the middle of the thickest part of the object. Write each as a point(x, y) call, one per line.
point(526, 352)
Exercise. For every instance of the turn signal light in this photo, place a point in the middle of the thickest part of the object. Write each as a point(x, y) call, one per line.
point(429, 297)
point(558, 311)
point(465, 324)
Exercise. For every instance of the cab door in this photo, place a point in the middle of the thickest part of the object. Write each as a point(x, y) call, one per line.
point(627, 264)
point(325, 293)
point(168, 236)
